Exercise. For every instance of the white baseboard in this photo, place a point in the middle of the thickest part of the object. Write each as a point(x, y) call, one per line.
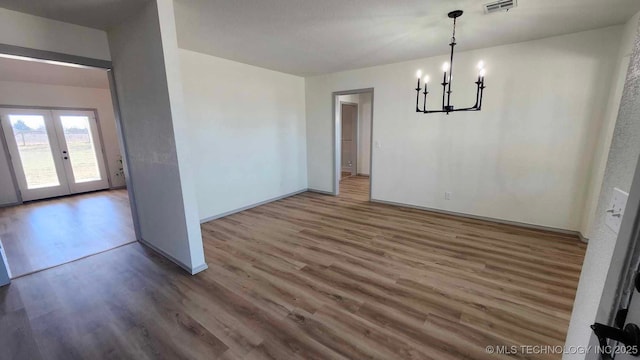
point(582, 238)
point(227, 213)
point(486, 218)
point(11, 204)
point(321, 192)
point(189, 269)
point(476, 217)
point(199, 268)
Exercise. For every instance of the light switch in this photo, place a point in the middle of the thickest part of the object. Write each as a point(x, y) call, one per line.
point(615, 210)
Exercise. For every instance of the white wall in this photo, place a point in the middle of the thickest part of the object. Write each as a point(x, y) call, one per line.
point(29, 94)
point(525, 157)
point(39, 33)
point(146, 68)
point(247, 132)
point(605, 254)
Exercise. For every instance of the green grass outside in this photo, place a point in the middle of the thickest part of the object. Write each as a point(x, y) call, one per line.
point(37, 161)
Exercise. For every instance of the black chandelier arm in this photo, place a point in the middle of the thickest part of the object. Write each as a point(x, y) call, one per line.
point(447, 108)
point(478, 104)
point(479, 90)
point(473, 108)
point(444, 90)
point(449, 111)
point(432, 111)
point(425, 97)
point(478, 83)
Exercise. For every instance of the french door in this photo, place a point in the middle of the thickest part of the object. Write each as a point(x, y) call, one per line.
point(54, 152)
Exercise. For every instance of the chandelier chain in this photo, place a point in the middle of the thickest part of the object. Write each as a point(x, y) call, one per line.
point(454, 30)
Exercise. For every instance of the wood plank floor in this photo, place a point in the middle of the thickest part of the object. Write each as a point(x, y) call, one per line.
point(42, 234)
point(308, 277)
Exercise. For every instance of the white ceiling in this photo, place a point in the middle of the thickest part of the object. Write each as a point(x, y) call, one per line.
point(308, 37)
point(99, 14)
point(42, 73)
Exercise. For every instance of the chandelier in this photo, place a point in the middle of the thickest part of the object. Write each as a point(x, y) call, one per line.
point(447, 79)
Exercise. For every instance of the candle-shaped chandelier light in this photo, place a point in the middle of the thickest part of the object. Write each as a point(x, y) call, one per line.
point(447, 68)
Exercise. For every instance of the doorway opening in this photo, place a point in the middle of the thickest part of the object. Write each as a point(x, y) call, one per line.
point(353, 120)
point(63, 188)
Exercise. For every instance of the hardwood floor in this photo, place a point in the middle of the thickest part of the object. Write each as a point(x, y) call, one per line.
point(355, 188)
point(308, 277)
point(42, 234)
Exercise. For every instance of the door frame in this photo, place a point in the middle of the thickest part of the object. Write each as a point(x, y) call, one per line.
point(357, 135)
point(81, 61)
point(336, 136)
point(54, 108)
point(14, 178)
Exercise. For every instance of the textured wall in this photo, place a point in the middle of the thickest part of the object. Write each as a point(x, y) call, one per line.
point(601, 263)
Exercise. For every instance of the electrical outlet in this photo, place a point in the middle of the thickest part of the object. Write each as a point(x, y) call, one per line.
point(447, 195)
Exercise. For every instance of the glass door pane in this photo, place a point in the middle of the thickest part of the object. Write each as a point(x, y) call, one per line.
point(80, 144)
point(35, 153)
point(34, 147)
point(81, 148)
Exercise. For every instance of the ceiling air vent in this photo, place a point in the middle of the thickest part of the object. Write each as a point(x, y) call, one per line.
point(500, 5)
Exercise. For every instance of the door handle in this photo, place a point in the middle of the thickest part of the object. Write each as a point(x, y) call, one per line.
point(630, 336)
